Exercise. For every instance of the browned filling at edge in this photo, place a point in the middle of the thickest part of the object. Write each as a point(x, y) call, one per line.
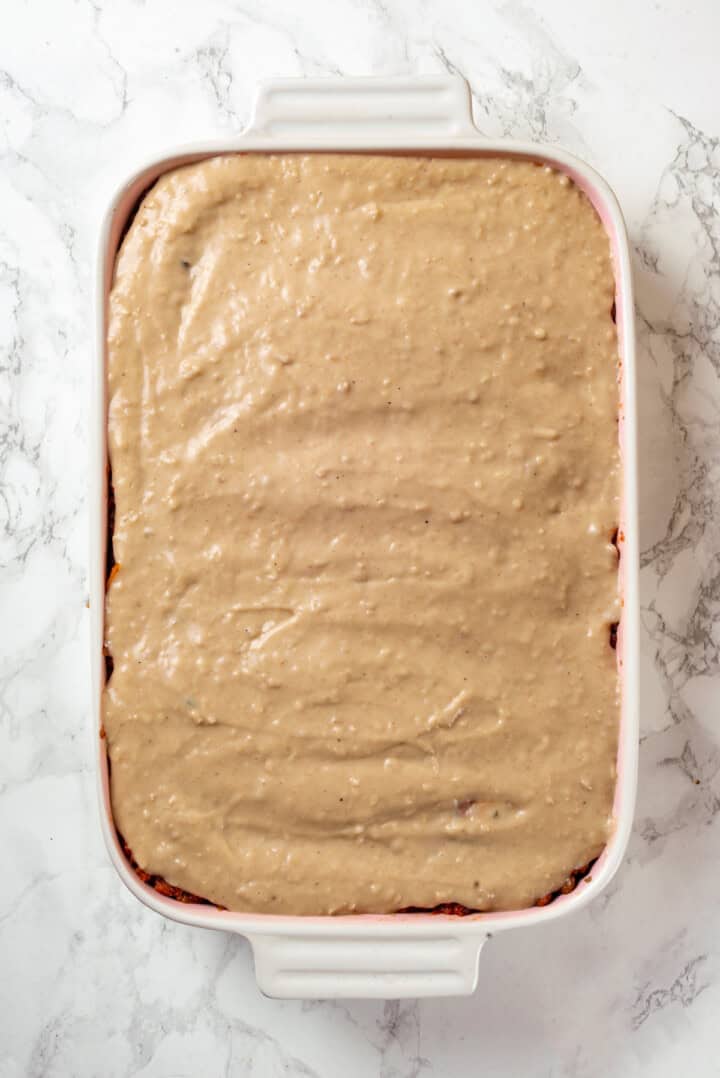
point(449, 909)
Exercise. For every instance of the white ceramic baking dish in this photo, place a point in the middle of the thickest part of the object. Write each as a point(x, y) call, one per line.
point(399, 955)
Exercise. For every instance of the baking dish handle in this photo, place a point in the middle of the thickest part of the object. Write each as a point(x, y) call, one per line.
point(435, 105)
point(357, 965)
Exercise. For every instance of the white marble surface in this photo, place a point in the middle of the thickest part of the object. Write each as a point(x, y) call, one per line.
point(92, 983)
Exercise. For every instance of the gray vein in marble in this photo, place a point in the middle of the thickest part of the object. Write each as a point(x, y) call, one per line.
point(400, 1024)
point(392, 26)
point(526, 107)
point(691, 329)
point(214, 63)
point(120, 79)
point(553, 74)
point(685, 989)
point(309, 63)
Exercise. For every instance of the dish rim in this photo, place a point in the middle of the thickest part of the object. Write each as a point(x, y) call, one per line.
point(463, 138)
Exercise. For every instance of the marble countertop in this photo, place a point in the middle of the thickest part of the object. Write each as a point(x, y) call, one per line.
point(94, 984)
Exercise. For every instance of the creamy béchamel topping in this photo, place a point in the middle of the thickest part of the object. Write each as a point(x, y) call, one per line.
point(363, 436)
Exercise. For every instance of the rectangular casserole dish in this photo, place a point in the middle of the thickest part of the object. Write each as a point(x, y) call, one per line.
point(394, 955)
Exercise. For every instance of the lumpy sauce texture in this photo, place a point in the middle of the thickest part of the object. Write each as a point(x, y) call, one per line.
point(362, 427)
